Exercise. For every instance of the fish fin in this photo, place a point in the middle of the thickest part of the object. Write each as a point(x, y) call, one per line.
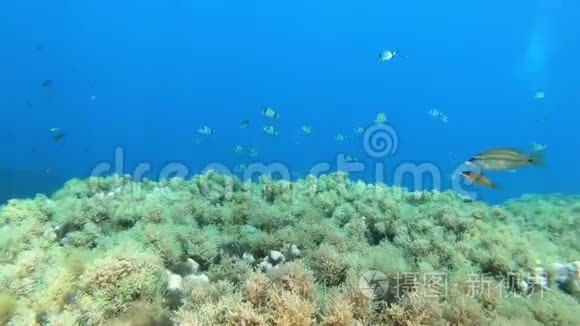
point(537, 158)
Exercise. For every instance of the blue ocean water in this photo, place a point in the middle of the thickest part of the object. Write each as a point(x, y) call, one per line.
point(144, 76)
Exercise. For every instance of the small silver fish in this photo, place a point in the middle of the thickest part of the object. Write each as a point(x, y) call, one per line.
point(205, 130)
point(387, 55)
point(270, 113)
point(271, 130)
point(539, 95)
point(537, 147)
point(350, 158)
point(307, 129)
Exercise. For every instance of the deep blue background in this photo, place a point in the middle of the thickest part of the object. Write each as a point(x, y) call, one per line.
point(161, 69)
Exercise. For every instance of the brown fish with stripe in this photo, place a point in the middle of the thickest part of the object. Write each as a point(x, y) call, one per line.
point(479, 179)
point(503, 159)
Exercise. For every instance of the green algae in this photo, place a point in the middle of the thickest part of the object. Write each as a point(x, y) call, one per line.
point(7, 307)
point(217, 251)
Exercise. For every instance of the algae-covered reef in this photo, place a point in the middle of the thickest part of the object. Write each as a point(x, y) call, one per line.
point(322, 251)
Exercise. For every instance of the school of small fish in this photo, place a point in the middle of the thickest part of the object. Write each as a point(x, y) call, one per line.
point(269, 115)
point(492, 160)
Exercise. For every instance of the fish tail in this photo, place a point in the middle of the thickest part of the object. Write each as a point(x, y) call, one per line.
point(537, 158)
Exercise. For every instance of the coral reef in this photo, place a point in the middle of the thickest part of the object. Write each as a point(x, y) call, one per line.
point(217, 251)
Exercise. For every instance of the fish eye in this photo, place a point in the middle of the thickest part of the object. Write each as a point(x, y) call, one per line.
point(472, 159)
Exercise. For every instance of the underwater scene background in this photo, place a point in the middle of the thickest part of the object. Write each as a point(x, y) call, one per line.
point(289, 163)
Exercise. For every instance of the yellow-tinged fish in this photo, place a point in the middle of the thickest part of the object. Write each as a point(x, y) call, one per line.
point(237, 149)
point(381, 118)
point(503, 159)
point(307, 129)
point(479, 179)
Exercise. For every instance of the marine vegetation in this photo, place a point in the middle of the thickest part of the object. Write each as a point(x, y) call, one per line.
point(214, 250)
